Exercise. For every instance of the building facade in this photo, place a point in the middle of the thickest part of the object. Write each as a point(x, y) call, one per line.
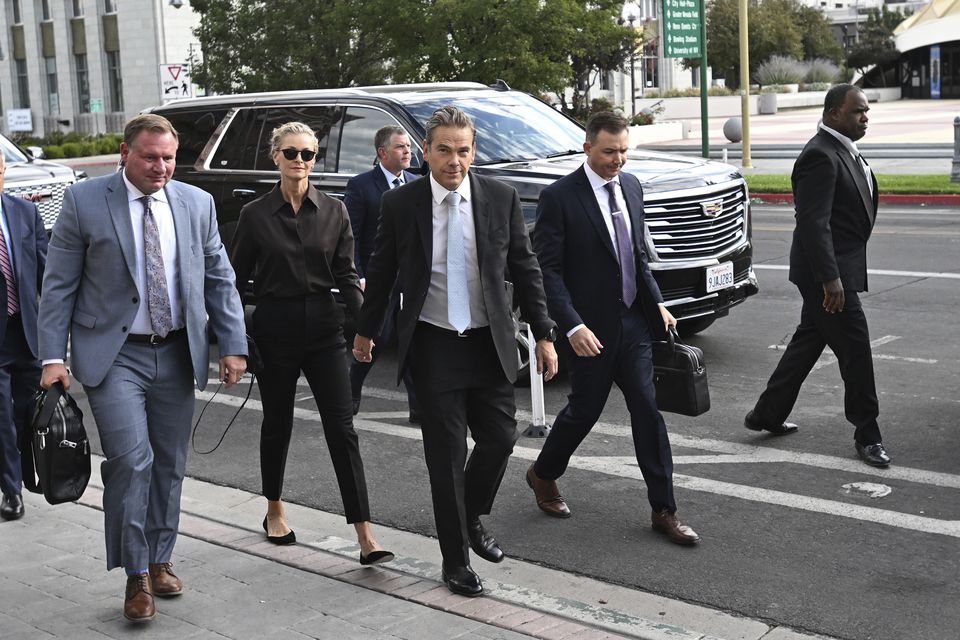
point(87, 65)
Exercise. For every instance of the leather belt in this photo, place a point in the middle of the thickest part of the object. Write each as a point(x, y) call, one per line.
point(154, 340)
point(467, 333)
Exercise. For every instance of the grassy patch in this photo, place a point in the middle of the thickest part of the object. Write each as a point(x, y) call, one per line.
point(889, 183)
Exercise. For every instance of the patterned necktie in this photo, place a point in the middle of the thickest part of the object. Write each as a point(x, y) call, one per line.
point(13, 297)
point(628, 266)
point(396, 183)
point(158, 300)
point(458, 298)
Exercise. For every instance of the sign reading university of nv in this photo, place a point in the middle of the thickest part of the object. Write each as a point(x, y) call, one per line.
point(681, 28)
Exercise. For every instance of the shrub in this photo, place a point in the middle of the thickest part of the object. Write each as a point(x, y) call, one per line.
point(53, 151)
point(780, 70)
point(821, 70)
point(774, 88)
point(72, 149)
point(815, 86)
point(107, 145)
point(600, 104)
point(642, 119)
point(89, 148)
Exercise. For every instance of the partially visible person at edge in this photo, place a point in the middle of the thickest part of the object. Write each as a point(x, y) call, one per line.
point(589, 241)
point(23, 254)
point(835, 196)
point(449, 239)
point(136, 277)
point(298, 242)
point(363, 204)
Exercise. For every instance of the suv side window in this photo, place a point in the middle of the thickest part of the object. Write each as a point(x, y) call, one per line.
point(239, 141)
point(360, 125)
point(194, 129)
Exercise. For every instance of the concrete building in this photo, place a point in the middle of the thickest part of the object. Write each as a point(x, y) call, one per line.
point(89, 65)
point(929, 44)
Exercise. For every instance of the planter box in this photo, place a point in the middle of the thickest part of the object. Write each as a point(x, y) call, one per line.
point(657, 132)
point(767, 104)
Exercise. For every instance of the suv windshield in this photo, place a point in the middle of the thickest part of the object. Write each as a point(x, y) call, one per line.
point(11, 152)
point(511, 127)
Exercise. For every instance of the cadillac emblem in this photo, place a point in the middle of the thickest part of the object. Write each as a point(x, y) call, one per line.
point(712, 208)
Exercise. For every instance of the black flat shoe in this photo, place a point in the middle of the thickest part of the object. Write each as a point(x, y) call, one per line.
point(462, 581)
point(873, 454)
point(288, 538)
point(750, 422)
point(376, 557)
point(483, 543)
point(11, 507)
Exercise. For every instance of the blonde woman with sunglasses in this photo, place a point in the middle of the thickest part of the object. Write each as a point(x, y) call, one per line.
point(298, 242)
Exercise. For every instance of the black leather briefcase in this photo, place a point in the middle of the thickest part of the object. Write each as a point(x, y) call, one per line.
point(680, 377)
point(56, 455)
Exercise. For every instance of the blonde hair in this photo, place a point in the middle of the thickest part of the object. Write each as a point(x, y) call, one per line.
point(291, 129)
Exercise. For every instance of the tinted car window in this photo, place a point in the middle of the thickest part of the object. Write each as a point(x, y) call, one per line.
point(238, 145)
point(194, 129)
point(512, 127)
point(356, 139)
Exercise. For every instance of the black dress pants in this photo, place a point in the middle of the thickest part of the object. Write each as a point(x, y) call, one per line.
point(628, 362)
point(283, 329)
point(461, 385)
point(848, 337)
point(19, 380)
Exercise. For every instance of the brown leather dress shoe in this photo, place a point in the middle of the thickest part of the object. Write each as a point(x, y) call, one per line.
point(548, 495)
point(164, 581)
point(138, 604)
point(667, 523)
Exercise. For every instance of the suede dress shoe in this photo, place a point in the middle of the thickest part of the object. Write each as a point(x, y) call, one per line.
point(751, 422)
point(11, 507)
point(288, 538)
point(138, 604)
point(462, 581)
point(379, 556)
point(483, 543)
point(667, 523)
point(873, 454)
point(163, 581)
point(548, 495)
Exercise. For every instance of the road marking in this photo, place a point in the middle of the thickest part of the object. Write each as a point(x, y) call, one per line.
point(828, 357)
point(877, 272)
point(917, 231)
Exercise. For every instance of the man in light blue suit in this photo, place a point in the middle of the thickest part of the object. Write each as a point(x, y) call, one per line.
point(136, 274)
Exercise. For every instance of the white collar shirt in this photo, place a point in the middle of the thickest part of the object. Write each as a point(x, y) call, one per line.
point(597, 183)
point(851, 146)
point(390, 177)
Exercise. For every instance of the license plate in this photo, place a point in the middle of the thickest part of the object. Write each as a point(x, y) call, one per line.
point(719, 276)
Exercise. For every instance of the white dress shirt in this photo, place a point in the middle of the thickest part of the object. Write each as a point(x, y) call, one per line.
point(851, 146)
point(390, 177)
point(434, 308)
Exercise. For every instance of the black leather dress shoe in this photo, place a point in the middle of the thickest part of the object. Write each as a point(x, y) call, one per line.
point(462, 581)
point(483, 543)
point(751, 422)
point(11, 507)
point(288, 538)
point(873, 454)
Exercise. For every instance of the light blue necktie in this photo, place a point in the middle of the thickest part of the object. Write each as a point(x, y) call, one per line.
point(458, 298)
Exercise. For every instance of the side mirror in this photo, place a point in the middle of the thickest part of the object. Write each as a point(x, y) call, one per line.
point(36, 153)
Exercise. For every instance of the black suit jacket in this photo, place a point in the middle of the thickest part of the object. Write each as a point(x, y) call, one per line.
point(28, 244)
point(581, 271)
point(404, 251)
point(363, 204)
point(835, 214)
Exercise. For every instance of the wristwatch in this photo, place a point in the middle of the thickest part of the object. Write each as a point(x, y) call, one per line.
point(551, 335)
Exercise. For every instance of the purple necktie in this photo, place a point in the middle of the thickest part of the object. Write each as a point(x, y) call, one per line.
point(628, 265)
point(13, 296)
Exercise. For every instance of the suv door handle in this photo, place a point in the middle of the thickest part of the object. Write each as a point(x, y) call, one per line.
point(243, 194)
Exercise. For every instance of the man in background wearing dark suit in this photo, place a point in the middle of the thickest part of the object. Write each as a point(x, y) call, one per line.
point(835, 196)
point(449, 239)
point(590, 242)
point(23, 254)
point(363, 204)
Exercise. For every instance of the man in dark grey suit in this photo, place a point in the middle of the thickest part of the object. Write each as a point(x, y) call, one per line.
point(449, 239)
point(136, 275)
point(835, 196)
point(23, 253)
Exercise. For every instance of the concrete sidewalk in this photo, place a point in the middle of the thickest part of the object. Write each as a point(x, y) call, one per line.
point(239, 586)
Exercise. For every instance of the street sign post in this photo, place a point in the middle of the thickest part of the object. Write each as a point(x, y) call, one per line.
point(685, 36)
point(175, 82)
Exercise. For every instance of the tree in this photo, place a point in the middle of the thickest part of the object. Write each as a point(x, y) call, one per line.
point(816, 35)
point(876, 46)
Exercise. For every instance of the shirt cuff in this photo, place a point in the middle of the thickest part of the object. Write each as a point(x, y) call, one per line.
point(575, 329)
point(52, 361)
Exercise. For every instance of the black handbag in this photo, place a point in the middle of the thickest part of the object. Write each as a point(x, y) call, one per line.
point(680, 377)
point(55, 456)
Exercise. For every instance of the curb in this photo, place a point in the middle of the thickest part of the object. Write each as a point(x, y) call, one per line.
point(930, 199)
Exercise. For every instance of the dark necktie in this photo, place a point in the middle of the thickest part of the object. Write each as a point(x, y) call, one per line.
point(13, 296)
point(628, 265)
point(396, 183)
point(866, 171)
point(158, 300)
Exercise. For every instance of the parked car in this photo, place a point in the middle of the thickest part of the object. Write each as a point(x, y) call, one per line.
point(33, 178)
point(697, 211)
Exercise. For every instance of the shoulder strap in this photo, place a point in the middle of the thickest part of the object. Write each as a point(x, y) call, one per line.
point(193, 437)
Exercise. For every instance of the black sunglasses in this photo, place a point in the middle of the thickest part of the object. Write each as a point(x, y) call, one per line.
point(306, 154)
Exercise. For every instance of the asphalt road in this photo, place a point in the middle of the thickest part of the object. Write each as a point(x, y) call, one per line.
point(788, 535)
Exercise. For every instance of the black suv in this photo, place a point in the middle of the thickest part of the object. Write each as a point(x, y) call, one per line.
point(697, 211)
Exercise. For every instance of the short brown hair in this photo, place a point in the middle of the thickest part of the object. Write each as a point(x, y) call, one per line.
point(147, 122)
point(449, 116)
point(384, 134)
point(605, 121)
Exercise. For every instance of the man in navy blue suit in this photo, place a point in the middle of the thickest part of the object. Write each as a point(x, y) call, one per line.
point(589, 240)
point(363, 205)
point(23, 254)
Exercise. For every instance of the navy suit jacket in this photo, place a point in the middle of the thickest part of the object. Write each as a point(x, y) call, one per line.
point(581, 271)
point(28, 244)
point(363, 206)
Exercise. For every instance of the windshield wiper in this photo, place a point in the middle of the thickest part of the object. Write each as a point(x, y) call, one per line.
point(568, 152)
point(502, 160)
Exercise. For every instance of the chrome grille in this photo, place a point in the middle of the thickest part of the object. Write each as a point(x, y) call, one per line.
point(696, 224)
point(50, 198)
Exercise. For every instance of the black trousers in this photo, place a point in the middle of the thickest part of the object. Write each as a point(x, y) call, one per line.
point(628, 362)
point(19, 380)
point(283, 329)
point(461, 386)
point(848, 337)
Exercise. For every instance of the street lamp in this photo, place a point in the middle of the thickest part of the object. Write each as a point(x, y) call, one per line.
point(629, 15)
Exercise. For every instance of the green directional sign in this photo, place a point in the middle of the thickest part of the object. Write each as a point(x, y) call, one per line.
point(681, 28)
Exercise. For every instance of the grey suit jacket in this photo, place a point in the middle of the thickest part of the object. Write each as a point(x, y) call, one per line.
point(89, 288)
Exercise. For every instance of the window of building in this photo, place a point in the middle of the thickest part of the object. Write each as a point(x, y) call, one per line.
point(17, 18)
point(23, 85)
point(606, 80)
point(77, 8)
point(109, 6)
point(83, 82)
point(45, 10)
point(53, 94)
point(114, 81)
